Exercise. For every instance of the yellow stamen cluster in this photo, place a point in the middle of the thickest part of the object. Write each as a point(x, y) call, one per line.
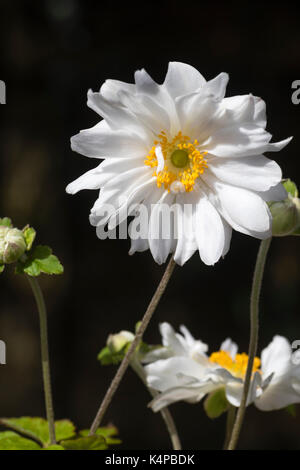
point(187, 175)
point(238, 366)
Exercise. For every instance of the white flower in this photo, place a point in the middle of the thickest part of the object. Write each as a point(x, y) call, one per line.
point(176, 344)
point(181, 143)
point(275, 381)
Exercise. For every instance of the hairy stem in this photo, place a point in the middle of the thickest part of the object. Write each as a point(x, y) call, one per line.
point(125, 363)
point(39, 298)
point(254, 309)
point(165, 412)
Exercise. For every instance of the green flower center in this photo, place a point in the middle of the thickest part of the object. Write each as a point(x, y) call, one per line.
point(179, 158)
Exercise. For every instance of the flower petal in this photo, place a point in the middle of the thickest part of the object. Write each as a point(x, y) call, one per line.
point(244, 210)
point(230, 347)
point(242, 141)
point(165, 373)
point(179, 393)
point(161, 228)
point(182, 79)
point(186, 242)
point(217, 86)
point(117, 116)
point(257, 172)
point(102, 142)
point(209, 231)
point(111, 88)
point(276, 358)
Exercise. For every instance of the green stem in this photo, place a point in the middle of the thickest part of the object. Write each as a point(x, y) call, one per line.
point(165, 412)
point(229, 424)
point(39, 298)
point(254, 309)
point(125, 363)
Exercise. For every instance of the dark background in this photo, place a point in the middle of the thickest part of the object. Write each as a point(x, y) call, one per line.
point(51, 53)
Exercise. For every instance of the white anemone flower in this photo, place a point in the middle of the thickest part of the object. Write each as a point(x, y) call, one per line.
point(275, 381)
point(176, 344)
point(180, 144)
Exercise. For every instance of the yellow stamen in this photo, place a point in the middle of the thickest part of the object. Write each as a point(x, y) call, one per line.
point(184, 162)
point(238, 366)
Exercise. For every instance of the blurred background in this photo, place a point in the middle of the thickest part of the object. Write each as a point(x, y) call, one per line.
point(51, 53)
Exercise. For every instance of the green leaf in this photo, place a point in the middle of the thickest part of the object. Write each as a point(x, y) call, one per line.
point(54, 447)
point(37, 428)
point(11, 441)
point(29, 235)
point(2, 266)
point(40, 260)
point(107, 432)
point(291, 410)
point(6, 222)
point(290, 187)
point(85, 443)
point(107, 357)
point(216, 403)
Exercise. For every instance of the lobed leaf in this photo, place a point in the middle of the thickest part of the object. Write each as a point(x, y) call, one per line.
point(40, 260)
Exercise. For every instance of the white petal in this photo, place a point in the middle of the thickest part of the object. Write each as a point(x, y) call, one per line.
point(102, 142)
point(283, 387)
point(111, 88)
point(242, 141)
point(244, 210)
point(182, 79)
point(276, 193)
point(186, 242)
point(148, 111)
point(240, 109)
point(103, 173)
point(257, 172)
point(138, 244)
point(199, 115)
point(117, 116)
point(260, 117)
point(229, 346)
point(234, 390)
point(143, 187)
point(160, 159)
point(89, 180)
point(161, 228)
point(177, 394)
point(209, 230)
point(275, 358)
point(146, 86)
point(165, 373)
point(217, 86)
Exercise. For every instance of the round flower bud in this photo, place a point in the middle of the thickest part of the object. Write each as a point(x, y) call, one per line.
point(286, 216)
point(117, 342)
point(12, 244)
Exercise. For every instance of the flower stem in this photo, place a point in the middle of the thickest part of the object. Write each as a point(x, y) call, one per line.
point(39, 298)
point(229, 424)
point(125, 363)
point(254, 308)
point(165, 412)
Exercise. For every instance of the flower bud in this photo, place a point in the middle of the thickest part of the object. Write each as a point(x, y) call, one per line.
point(286, 216)
point(12, 244)
point(118, 341)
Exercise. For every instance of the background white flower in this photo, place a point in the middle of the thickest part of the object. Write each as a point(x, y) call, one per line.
point(181, 142)
point(275, 381)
